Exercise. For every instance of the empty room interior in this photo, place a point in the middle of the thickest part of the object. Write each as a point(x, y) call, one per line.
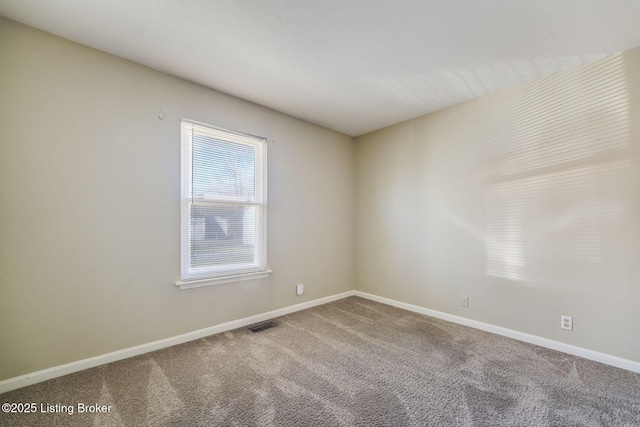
point(319, 213)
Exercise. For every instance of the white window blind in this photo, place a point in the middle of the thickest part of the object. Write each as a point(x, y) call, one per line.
point(223, 203)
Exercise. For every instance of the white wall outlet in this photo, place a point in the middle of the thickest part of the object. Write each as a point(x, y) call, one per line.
point(299, 289)
point(566, 322)
point(464, 300)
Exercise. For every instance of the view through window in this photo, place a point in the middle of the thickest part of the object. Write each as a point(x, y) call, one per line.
point(223, 203)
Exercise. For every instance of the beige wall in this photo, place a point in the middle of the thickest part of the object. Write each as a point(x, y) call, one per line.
point(89, 209)
point(90, 205)
point(445, 208)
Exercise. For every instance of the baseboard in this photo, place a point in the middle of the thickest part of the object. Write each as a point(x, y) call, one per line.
point(607, 359)
point(69, 368)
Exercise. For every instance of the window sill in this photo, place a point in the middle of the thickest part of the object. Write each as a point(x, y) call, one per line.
point(198, 283)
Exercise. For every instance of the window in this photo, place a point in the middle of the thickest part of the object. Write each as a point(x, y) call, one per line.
point(224, 195)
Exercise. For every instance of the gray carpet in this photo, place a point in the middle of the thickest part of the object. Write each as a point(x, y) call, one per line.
point(352, 362)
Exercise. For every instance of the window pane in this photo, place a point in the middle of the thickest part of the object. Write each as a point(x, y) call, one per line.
point(223, 169)
point(223, 235)
point(224, 201)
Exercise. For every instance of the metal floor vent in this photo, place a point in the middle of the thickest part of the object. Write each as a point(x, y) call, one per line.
point(262, 326)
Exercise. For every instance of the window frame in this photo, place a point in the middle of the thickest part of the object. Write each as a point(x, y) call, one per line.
point(212, 275)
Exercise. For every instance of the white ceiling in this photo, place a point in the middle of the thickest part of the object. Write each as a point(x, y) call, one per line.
point(350, 65)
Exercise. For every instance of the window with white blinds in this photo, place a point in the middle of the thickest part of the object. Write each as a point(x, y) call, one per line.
point(224, 197)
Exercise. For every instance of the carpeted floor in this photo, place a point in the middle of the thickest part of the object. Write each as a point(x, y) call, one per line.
point(352, 362)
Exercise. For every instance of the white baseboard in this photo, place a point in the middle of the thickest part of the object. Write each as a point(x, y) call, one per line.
point(607, 359)
point(69, 368)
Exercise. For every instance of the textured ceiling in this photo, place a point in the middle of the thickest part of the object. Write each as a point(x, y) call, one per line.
point(350, 65)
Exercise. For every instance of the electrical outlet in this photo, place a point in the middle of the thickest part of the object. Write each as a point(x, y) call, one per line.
point(464, 300)
point(299, 289)
point(566, 322)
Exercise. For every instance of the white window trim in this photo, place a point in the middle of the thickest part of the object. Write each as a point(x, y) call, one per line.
point(190, 278)
point(198, 283)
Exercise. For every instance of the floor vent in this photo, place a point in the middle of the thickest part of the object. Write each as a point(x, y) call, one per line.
point(261, 326)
